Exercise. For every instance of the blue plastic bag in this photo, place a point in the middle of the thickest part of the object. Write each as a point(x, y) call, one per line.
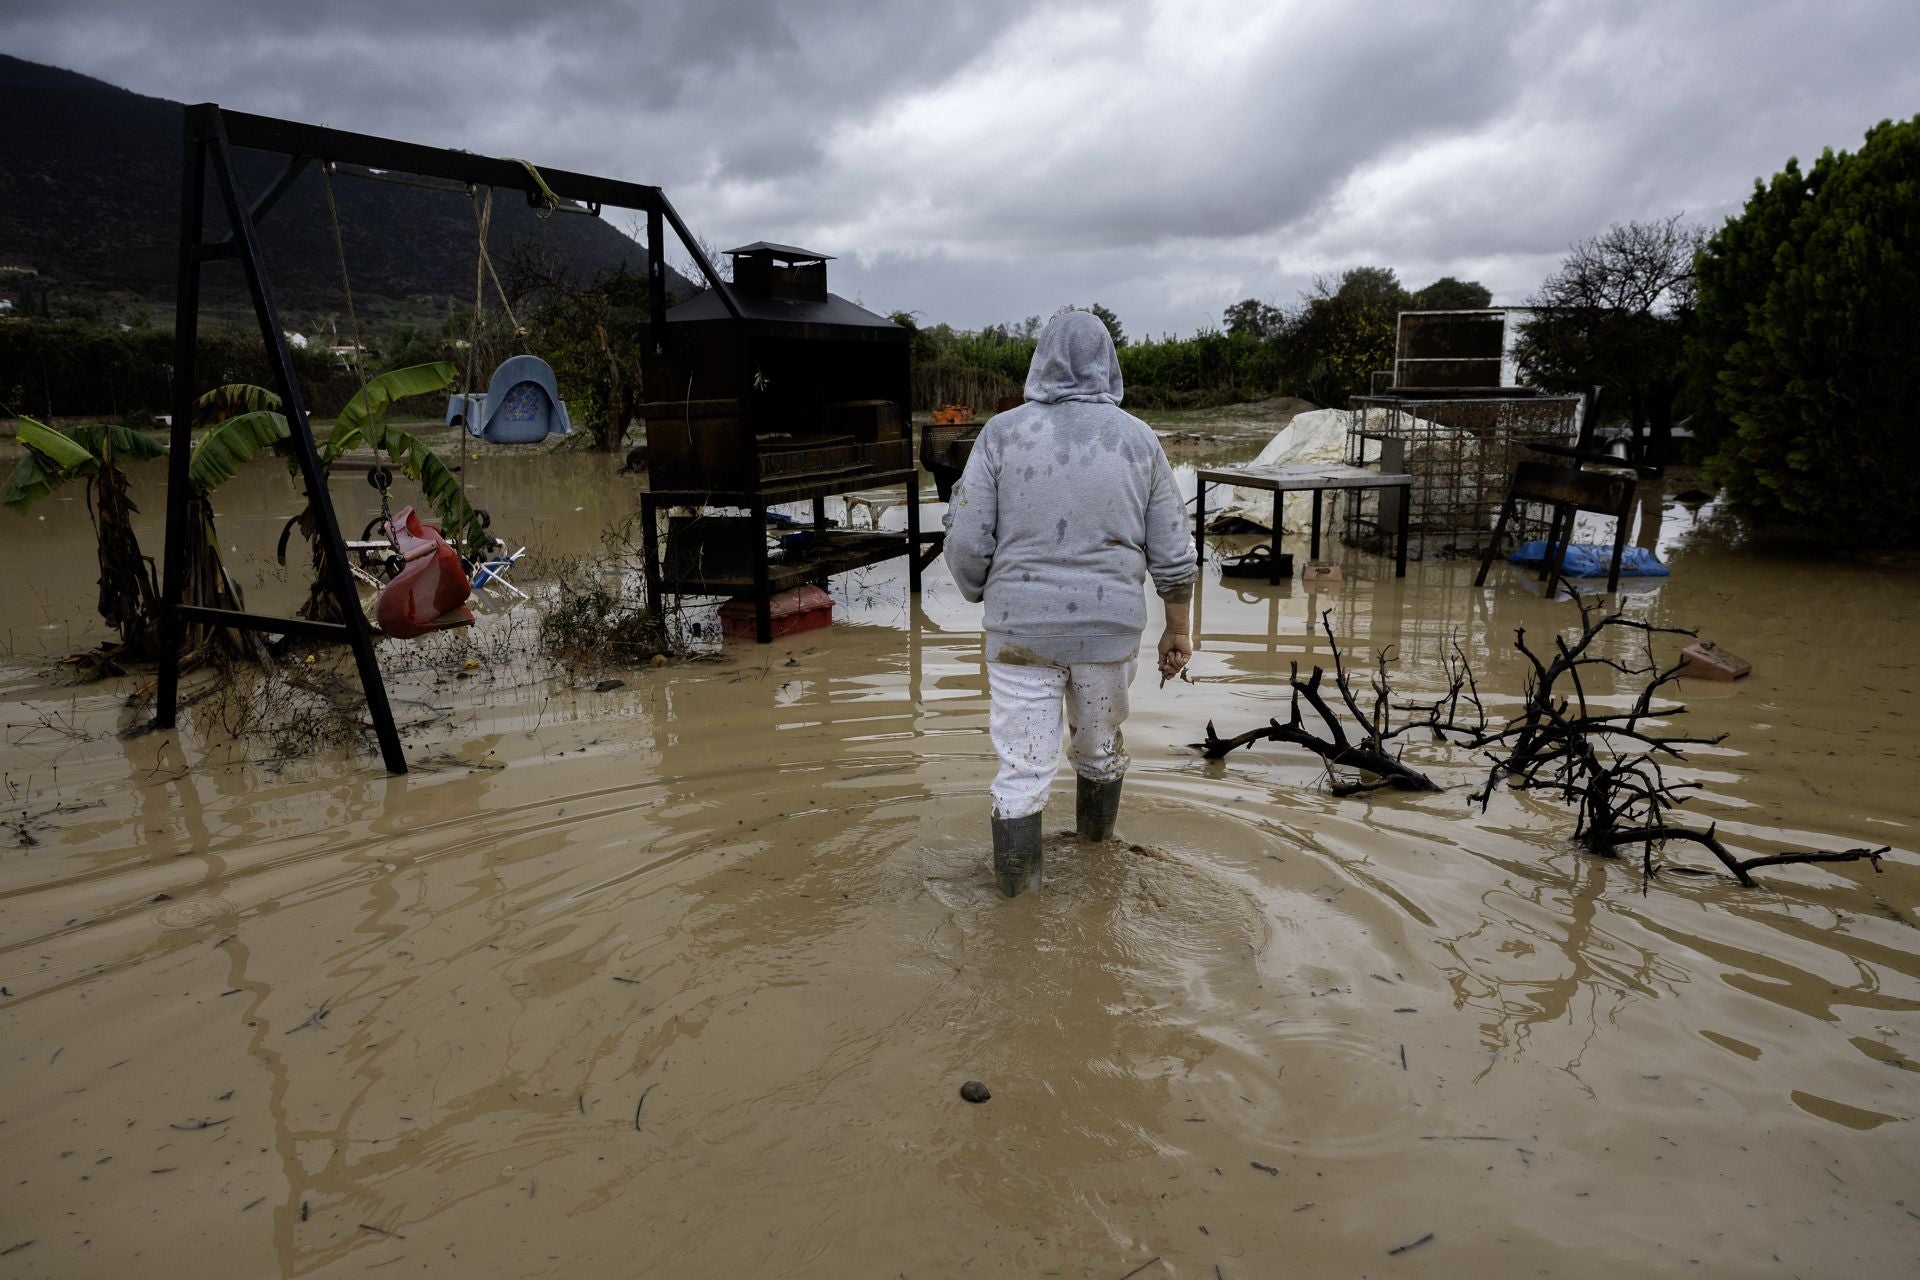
point(1589, 560)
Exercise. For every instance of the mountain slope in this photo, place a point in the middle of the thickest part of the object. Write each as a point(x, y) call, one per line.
point(90, 198)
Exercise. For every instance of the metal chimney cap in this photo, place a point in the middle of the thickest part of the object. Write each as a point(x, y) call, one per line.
point(785, 251)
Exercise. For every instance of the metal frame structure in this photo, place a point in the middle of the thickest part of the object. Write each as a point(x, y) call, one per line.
point(211, 136)
point(1450, 347)
point(1461, 446)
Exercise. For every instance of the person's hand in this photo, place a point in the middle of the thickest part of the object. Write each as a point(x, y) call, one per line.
point(1176, 649)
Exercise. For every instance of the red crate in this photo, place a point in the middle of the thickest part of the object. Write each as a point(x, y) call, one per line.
point(801, 609)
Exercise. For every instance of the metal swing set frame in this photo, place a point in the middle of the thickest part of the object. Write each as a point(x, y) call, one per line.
point(211, 137)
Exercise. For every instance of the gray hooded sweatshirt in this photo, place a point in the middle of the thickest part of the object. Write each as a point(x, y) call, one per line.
point(1066, 506)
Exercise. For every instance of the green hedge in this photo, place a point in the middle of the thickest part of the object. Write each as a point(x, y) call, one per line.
point(76, 369)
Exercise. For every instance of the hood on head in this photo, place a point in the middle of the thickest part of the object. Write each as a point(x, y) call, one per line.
point(1074, 361)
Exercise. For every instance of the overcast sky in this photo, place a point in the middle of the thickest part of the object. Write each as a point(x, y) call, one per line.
point(981, 160)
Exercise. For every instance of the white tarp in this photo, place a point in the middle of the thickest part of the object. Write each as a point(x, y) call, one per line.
point(1436, 455)
point(1315, 437)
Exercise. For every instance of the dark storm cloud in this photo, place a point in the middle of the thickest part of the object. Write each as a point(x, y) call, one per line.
point(985, 161)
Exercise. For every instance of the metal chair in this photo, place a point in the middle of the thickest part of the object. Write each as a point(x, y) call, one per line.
point(1568, 489)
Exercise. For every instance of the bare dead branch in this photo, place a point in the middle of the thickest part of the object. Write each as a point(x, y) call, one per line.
point(1607, 766)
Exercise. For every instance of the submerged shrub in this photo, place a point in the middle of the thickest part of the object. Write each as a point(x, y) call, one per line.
point(592, 625)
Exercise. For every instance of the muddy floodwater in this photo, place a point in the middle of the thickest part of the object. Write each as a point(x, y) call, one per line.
point(682, 977)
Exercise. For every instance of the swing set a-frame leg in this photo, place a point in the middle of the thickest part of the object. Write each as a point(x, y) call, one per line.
point(207, 148)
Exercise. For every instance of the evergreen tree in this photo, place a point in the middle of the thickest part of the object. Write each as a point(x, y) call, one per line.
point(1809, 303)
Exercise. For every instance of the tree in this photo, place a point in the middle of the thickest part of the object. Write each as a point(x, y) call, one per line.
point(1809, 302)
point(1112, 322)
point(920, 343)
point(1253, 318)
point(590, 333)
point(1449, 294)
point(1343, 333)
point(1618, 313)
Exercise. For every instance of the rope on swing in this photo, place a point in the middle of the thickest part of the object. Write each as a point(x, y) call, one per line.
point(545, 197)
point(483, 271)
point(346, 284)
point(483, 264)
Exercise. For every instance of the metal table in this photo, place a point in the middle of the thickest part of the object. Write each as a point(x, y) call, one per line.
point(1314, 479)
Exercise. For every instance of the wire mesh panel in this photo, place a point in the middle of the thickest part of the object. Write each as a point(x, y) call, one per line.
point(1461, 451)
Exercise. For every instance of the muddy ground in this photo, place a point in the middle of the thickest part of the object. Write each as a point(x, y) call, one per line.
point(682, 977)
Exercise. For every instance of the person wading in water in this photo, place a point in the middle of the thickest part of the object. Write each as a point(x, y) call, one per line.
point(1066, 507)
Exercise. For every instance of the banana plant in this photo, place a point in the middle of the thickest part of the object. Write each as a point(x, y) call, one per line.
point(250, 423)
point(129, 599)
point(247, 423)
point(253, 425)
point(364, 423)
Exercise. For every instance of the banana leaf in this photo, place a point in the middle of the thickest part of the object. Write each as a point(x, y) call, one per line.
point(30, 482)
point(363, 421)
point(114, 444)
point(56, 455)
point(458, 520)
point(39, 472)
point(234, 399)
point(61, 452)
point(232, 445)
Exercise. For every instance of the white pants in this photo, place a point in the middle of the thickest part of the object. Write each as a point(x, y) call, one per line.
point(1025, 724)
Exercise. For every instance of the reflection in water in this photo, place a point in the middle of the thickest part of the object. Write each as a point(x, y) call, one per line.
point(700, 962)
point(1541, 958)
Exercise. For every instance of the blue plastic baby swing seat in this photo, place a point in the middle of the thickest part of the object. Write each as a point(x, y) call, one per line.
point(1589, 560)
point(522, 405)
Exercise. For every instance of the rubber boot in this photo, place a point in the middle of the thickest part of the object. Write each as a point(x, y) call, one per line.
point(1016, 854)
point(1095, 805)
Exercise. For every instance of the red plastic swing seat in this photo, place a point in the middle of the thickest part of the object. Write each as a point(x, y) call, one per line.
point(429, 594)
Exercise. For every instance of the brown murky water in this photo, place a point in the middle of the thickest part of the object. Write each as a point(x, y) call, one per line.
point(682, 978)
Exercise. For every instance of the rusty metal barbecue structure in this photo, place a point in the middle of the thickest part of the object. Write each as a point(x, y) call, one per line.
point(211, 138)
point(769, 391)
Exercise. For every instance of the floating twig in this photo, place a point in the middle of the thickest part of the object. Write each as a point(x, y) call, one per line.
point(1142, 1267)
point(643, 1102)
point(314, 1019)
point(1409, 1246)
